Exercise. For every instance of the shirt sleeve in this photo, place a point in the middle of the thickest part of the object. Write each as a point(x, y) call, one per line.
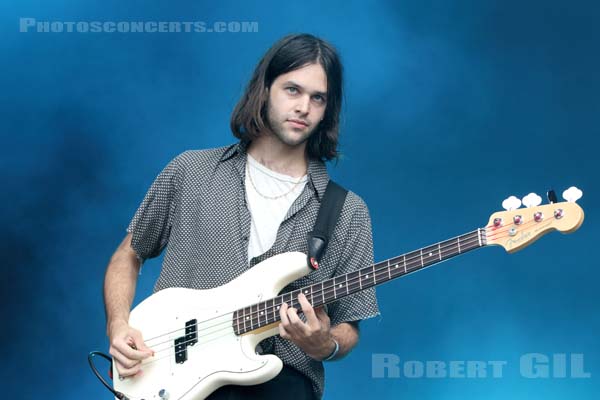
point(151, 224)
point(357, 253)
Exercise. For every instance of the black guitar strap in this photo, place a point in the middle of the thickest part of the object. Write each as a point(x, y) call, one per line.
point(329, 213)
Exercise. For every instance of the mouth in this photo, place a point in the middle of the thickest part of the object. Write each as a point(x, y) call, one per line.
point(297, 123)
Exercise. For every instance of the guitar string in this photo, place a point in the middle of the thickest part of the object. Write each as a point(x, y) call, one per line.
point(327, 290)
point(495, 232)
point(379, 272)
point(324, 292)
point(253, 313)
point(444, 248)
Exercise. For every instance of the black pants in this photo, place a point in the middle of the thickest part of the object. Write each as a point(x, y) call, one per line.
point(289, 384)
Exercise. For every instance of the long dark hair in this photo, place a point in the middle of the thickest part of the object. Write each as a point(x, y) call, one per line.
point(249, 118)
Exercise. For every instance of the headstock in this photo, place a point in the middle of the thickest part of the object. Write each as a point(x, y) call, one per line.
point(517, 227)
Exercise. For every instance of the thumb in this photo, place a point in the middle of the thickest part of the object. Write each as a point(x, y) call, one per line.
point(140, 344)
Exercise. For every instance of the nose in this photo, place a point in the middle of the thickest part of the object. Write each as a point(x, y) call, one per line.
point(303, 105)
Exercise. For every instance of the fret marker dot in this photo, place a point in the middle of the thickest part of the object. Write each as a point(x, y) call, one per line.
point(261, 313)
point(430, 254)
point(278, 307)
point(340, 285)
point(366, 276)
point(247, 317)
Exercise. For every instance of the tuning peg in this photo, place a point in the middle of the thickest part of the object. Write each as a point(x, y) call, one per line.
point(572, 194)
point(511, 203)
point(532, 200)
point(551, 194)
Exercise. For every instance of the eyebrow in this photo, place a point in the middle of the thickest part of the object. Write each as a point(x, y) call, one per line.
point(324, 95)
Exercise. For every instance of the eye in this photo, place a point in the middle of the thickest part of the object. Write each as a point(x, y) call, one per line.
point(291, 89)
point(319, 98)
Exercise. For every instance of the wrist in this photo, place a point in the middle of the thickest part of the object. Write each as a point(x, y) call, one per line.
point(114, 325)
point(335, 348)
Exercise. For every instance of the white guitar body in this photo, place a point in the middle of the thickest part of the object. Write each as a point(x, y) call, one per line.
point(220, 357)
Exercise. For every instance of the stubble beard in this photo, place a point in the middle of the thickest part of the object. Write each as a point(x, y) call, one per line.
point(285, 133)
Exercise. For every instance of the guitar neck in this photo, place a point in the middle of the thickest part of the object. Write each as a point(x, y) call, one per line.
point(267, 312)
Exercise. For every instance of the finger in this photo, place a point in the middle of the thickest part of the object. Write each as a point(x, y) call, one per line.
point(308, 311)
point(283, 333)
point(296, 324)
point(322, 315)
point(283, 314)
point(125, 348)
point(139, 343)
point(122, 360)
point(127, 372)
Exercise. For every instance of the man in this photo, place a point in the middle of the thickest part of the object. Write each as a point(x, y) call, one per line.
point(222, 211)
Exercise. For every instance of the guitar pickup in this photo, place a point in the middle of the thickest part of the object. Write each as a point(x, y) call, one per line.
point(180, 350)
point(191, 332)
point(182, 343)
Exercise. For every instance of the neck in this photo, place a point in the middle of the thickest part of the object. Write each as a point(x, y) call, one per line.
point(266, 313)
point(278, 156)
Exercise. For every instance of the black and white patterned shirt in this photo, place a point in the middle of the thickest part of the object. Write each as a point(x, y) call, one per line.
point(197, 205)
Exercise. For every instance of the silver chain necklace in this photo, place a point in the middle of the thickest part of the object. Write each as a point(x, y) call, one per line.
point(265, 196)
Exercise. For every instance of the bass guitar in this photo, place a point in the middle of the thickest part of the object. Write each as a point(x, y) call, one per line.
point(205, 339)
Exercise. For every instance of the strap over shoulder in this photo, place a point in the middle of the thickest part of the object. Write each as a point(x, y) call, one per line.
point(329, 212)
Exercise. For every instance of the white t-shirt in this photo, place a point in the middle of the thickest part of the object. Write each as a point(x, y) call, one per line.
point(267, 214)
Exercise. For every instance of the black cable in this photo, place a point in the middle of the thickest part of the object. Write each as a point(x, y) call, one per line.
point(92, 354)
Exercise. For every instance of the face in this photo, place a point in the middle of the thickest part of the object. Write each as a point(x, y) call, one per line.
point(297, 102)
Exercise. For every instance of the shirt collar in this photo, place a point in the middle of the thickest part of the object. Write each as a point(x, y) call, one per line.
point(317, 171)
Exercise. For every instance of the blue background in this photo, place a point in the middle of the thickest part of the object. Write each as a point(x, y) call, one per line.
point(451, 107)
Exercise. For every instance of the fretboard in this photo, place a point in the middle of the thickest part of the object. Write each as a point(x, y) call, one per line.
point(267, 312)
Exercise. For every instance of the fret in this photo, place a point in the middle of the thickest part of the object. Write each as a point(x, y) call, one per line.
point(374, 275)
point(351, 281)
point(254, 316)
point(246, 319)
point(338, 283)
point(359, 280)
point(237, 321)
point(421, 254)
point(450, 248)
point(367, 278)
point(404, 263)
point(294, 296)
point(334, 292)
point(270, 307)
point(278, 303)
point(440, 251)
point(322, 293)
point(261, 314)
point(479, 236)
point(329, 293)
point(394, 265)
point(414, 261)
point(389, 270)
point(429, 254)
point(458, 241)
point(346, 280)
point(287, 300)
point(306, 293)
